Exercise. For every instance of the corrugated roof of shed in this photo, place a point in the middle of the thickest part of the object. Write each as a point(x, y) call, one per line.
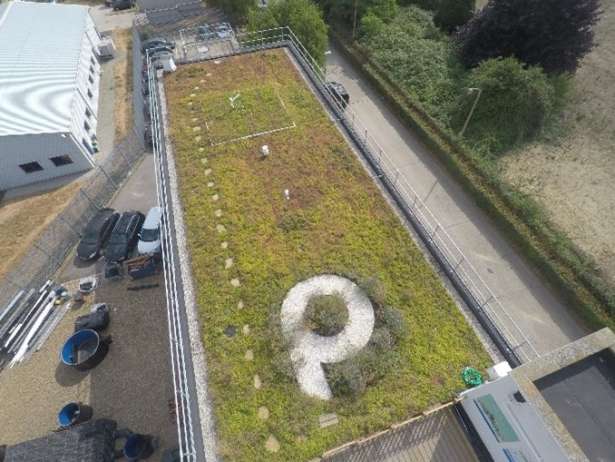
point(40, 48)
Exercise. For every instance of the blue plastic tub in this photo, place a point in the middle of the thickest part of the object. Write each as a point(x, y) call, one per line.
point(84, 349)
point(73, 414)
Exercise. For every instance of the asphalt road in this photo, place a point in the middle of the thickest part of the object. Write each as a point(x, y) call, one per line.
point(533, 306)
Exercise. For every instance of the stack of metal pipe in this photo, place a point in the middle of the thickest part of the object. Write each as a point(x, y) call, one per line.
point(27, 321)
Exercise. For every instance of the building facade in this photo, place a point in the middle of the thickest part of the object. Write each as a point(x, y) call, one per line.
point(49, 88)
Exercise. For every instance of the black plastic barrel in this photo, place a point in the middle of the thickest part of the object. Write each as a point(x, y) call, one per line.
point(74, 414)
point(138, 447)
point(84, 349)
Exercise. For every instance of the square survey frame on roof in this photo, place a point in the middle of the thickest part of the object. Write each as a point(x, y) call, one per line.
point(230, 116)
point(257, 227)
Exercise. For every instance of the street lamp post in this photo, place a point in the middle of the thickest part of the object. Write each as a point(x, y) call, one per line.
point(478, 92)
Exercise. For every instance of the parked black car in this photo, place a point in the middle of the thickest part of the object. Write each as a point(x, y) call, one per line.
point(96, 234)
point(338, 92)
point(122, 4)
point(124, 236)
point(156, 43)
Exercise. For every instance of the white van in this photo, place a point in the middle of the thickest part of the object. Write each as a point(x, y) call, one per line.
point(149, 237)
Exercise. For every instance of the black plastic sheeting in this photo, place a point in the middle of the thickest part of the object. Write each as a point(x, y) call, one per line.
point(92, 441)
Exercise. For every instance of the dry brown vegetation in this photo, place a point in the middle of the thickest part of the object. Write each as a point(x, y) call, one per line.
point(122, 76)
point(573, 175)
point(23, 220)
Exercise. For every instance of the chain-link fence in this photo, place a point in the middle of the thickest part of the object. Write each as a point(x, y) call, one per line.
point(49, 250)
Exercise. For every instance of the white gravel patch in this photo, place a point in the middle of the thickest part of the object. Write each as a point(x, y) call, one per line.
point(310, 349)
point(206, 420)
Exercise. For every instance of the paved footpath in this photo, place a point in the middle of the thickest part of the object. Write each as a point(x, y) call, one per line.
point(533, 306)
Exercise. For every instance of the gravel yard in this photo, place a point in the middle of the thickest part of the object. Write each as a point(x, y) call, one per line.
point(132, 385)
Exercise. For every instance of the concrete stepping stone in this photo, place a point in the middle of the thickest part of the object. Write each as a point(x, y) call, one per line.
point(228, 263)
point(240, 304)
point(220, 228)
point(224, 245)
point(249, 355)
point(230, 331)
point(195, 119)
point(215, 197)
point(326, 420)
point(235, 282)
point(263, 413)
point(192, 95)
point(218, 213)
point(207, 171)
point(204, 160)
point(257, 382)
point(201, 149)
point(202, 81)
point(210, 184)
point(189, 103)
point(196, 128)
point(245, 329)
point(196, 88)
point(197, 138)
point(272, 444)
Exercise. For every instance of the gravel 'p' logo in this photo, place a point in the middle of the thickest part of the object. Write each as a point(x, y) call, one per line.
point(309, 349)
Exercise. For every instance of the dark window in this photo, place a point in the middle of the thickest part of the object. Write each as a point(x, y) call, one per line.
point(87, 146)
point(88, 114)
point(92, 60)
point(91, 79)
point(86, 125)
point(91, 69)
point(31, 167)
point(58, 161)
point(90, 93)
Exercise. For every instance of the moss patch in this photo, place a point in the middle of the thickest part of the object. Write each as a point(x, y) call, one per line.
point(334, 221)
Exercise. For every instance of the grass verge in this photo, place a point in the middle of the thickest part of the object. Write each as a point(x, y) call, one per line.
point(336, 221)
point(519, 217)
point(122, 76)
point(23, 220)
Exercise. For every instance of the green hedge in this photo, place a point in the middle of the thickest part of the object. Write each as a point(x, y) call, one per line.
point(518, 216)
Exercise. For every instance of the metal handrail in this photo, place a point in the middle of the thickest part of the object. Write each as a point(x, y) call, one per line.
point(456, 259)
point(182, 392)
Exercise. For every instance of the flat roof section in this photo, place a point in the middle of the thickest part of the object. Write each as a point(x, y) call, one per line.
point(437, 437)
point(583, 397)
point(40, 48)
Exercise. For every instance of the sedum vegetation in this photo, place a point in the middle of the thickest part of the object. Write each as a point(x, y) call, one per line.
point(326, 314)
point(335, 221)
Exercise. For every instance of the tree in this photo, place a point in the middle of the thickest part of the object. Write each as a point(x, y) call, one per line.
point(236, 9)
point(302, 16)
point(344, 10)
point(515, 103)
point(450, 14)
point(554, 34)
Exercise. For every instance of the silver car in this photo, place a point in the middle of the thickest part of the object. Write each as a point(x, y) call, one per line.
point(149, 237)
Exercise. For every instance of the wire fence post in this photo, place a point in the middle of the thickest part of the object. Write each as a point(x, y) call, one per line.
point(108, 177)
point(92, 203)
point(63, 220)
